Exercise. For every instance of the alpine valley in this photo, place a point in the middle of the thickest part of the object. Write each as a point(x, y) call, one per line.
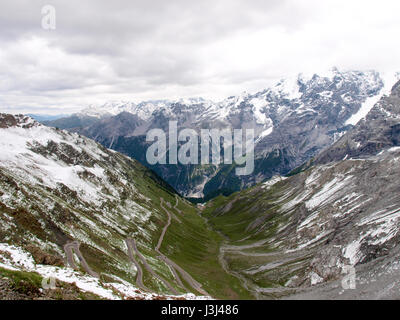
point(293, 121)
point(83, 216)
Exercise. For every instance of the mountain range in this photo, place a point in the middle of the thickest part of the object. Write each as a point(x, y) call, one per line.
point(293, 121)
point(103, 226)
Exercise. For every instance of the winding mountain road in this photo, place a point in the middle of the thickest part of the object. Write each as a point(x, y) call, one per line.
point(178, 272)
point(186, 276)
point(72, 247)
point(132, 245)
point(176, 205)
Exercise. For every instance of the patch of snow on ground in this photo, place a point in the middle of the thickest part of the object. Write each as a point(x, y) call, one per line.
point(264, 134)
point(383, 226)
point(308, 221)
point(311, 242)
point(18, 158)
point(19, 258)
point(23, 261)
point(394, 149)
point(315, 279)
point(292, 203)
point(389, 80)
point(258, 105)
point(352, 252)
point(328, 190)
point(274, 180)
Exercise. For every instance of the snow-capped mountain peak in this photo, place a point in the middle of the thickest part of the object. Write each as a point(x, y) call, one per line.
point(110, 108)
point(292, 120)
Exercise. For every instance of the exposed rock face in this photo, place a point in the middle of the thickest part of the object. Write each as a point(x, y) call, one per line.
point(343, 211)
point(21, 121)
point(379, 130)
point(42, 257)
point(293, 121)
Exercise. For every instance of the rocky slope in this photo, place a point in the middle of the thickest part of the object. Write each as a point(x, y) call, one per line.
point(98, 221)
point(379, 130)
point(293, 121)
point(296, 236)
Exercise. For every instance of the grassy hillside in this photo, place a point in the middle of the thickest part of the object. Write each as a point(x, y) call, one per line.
point(62, 194)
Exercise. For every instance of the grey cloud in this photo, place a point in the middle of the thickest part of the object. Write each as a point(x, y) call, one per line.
point(161, 49)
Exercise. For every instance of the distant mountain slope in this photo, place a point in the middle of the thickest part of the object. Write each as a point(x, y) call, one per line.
point(293, 121)
point(47, 117)
point(72, 122)
point(380, 129)
point(297, 235)
point(74, 210)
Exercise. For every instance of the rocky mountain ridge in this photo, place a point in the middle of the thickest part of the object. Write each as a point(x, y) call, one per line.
point(298, 237)
point(293, 121)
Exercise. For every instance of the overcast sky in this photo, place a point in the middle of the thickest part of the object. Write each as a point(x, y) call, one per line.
point(154, 49)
